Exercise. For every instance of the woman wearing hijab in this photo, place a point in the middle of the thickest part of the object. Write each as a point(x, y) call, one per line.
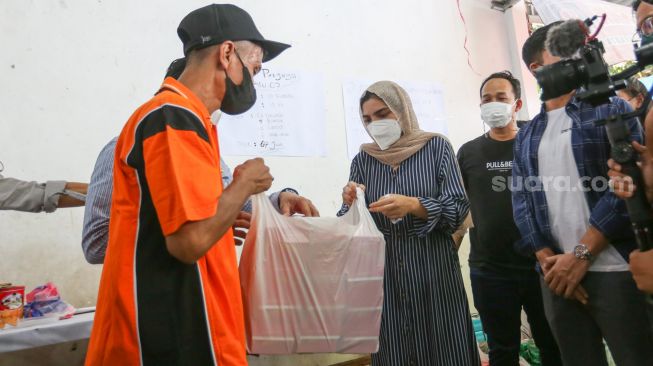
point(414, 190)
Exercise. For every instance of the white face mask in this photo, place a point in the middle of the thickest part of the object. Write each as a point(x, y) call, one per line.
point(385, 132)
point(496, 114)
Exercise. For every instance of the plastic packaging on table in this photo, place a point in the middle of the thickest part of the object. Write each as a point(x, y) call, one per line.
point(312, 285)
point(45, 301)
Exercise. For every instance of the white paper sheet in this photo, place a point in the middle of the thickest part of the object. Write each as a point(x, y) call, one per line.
point(427, 99)
point(287, 120)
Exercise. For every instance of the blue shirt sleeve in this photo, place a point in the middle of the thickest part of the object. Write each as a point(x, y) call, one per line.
point(524, 215)
point(95, 234)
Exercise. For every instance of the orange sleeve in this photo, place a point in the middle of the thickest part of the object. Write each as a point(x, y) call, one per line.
point(182, 170)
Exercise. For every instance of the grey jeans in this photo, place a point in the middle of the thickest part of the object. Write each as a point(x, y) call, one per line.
point(617, 312)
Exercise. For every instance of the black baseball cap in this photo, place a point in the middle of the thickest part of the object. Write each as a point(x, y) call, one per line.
point(216, 23)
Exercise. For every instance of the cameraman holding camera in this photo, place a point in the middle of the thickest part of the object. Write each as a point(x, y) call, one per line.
point(641, 263)
point(578, 230)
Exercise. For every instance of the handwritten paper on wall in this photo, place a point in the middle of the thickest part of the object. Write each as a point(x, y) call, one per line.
point(287, 119)
point(427, 99)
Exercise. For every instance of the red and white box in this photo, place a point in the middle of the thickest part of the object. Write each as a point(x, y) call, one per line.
point(12, 302)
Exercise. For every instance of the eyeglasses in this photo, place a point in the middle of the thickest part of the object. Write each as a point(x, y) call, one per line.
point(646, 28)
point(253, 58)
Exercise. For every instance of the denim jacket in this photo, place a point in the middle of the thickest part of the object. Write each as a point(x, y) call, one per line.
point(591, 150)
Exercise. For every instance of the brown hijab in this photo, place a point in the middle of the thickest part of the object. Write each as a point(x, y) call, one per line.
point(412, 138)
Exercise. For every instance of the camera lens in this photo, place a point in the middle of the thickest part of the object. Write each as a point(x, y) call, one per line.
point(560, 78)
point(644, 55)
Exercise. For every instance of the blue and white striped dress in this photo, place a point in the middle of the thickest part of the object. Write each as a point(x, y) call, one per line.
point(426, 318)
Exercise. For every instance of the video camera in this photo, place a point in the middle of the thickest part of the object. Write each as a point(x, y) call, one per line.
point(583, 65)
point(583, 68)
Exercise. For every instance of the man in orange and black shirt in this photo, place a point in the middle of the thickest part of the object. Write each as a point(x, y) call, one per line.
point(170, 291)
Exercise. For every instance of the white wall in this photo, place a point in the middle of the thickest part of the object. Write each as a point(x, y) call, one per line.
point(73, 71)
point(518, 33)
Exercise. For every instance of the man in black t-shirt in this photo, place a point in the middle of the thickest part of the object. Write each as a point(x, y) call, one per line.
point(502, 280)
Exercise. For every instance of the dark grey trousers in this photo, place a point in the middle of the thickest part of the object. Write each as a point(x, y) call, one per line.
point(617, 312)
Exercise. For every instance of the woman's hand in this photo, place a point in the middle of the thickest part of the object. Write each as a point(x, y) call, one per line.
point(396, 206)
point(349, 192)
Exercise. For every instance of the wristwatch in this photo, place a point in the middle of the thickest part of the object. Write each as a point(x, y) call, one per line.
point(583, 253)
point(290, 190)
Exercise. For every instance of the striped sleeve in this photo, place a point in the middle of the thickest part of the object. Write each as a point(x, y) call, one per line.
point(354, 176)
point(447, 211)
point(531, 240)
point(95, 234)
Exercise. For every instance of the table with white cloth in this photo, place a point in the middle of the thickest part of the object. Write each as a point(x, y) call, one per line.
point(47, 341)
point(43, 334)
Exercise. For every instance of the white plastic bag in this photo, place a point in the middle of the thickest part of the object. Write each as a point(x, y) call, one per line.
point(312, 285)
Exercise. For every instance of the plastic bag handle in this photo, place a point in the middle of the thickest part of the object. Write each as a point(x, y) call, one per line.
point(260, 201)
point(360, 200)
point(358, 210)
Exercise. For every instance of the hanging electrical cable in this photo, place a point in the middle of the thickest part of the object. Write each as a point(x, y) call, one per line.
point(469, 55)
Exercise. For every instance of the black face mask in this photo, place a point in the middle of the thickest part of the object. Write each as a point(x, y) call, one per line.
point(239, 99)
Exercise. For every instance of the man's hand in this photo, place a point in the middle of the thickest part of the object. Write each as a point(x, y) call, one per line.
point(565, 273)
point(241, 225)
point(541, 256)
point(546, 264)
point(622, 184)
point(396, 206)
point(255, 174)
point(349, 192)
point(194, 239)
point(641, 265)
point(68, 201)
point(291, 204)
